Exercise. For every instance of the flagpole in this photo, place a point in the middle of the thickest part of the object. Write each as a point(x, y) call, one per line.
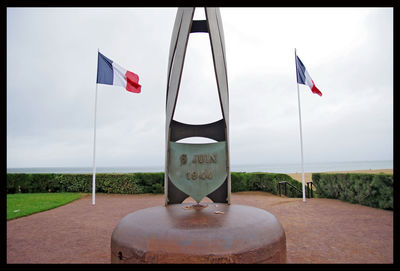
point(94, 148)
point(301, 134)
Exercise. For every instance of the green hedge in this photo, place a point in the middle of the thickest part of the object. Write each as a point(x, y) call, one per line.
point(374, 190)
point(126, 183)
point(135, 183)
point(267, 182)
point(33, 183)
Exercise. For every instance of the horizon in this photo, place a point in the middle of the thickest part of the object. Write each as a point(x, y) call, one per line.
point(272, 168)
point(238, 164)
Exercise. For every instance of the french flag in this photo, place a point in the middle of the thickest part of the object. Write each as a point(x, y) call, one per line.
point(110, 73)
point(304, 78)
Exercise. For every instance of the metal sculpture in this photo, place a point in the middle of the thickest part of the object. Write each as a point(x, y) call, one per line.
point(197, 170)
point(178, 232)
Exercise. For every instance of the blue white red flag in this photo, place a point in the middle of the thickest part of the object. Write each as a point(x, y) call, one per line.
point(110, 73)
point(304, 78)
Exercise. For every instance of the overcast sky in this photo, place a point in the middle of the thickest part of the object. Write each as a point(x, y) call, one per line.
point(51, 83)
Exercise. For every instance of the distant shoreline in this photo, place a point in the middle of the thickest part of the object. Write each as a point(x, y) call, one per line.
point(294, 175)
point(308, 175)
point(287, 168)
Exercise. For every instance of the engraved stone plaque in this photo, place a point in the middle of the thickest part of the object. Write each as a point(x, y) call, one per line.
point(197, 169)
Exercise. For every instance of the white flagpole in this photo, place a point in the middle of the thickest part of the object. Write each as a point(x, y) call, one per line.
point(301, 136)
point(94, 148)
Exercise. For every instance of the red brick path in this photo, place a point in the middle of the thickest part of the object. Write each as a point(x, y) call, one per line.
point(317, 231)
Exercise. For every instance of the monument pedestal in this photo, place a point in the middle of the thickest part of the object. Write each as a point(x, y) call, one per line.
point(205, 233)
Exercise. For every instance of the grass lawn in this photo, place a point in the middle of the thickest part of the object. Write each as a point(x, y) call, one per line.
point(23, 204)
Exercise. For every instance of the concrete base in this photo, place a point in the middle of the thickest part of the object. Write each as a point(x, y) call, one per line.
point(207, 233)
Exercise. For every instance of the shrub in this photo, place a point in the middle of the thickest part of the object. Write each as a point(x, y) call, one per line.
point(267, 182)
point(374, 190)
point(129, 183)
point(238, 181)
point(118, 184)
point(135, 183)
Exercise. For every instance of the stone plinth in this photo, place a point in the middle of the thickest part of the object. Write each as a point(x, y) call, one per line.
point(206, 233)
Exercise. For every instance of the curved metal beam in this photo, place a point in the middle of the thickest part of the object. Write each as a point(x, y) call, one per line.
point(174, 130)
point(215, 130)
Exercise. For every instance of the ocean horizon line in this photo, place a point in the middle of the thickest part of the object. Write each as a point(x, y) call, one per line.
point(272, 168)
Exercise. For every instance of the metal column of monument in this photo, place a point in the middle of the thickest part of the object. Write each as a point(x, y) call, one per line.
point(197, 170)
point(217, 232)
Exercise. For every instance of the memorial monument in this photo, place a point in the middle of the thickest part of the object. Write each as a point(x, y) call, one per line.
point(197, 170)
point(217, 232)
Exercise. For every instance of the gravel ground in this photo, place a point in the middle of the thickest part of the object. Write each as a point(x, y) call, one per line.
point(317, 231)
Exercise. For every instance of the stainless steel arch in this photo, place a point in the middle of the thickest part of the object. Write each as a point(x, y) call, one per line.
point(219, 130)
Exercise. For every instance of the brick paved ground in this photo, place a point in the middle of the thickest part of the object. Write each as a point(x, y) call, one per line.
point(317, 231)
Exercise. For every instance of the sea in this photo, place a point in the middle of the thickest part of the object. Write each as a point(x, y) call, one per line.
point(271, 168)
